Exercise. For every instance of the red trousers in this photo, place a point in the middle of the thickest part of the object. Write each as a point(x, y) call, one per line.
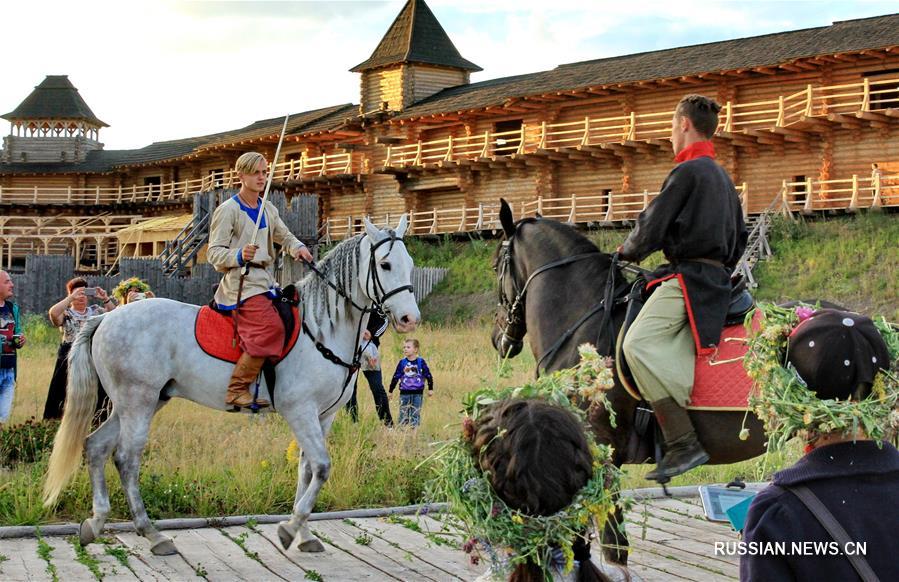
point(259, 327)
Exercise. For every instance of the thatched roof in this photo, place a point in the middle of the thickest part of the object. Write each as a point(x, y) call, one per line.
point(416, 37)
point(731, 55)
point(55, 98)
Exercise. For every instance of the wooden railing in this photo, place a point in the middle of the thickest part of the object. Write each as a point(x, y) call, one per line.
point(874, 191)
point(304, 168)
point(861, 99)
point(851, 194)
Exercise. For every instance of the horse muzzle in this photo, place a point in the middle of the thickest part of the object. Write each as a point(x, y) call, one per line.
point(508, 347)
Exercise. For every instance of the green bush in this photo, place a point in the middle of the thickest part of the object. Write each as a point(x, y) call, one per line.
point(27, 442)
point(37, 329)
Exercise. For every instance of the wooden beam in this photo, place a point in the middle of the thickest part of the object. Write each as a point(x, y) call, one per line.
point(845, 121)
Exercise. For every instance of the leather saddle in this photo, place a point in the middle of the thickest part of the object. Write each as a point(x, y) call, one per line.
point(741, 305)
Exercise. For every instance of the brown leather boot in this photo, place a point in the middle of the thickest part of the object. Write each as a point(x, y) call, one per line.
point(245, 373)
point(683, 449)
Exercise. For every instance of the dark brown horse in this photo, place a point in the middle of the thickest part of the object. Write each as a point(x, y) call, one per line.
point(552, 286)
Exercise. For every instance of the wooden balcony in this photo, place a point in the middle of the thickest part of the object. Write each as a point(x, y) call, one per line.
point(303, 169)
point(850, 194)
point(787, 118)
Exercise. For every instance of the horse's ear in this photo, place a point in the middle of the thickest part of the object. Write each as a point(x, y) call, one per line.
point(401, 227)
point(505, 218)
point(371, 230)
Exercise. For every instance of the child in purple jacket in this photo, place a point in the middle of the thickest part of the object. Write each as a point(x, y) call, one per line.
point(411, 374)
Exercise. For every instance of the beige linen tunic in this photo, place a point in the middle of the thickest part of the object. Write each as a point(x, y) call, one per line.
point(231, 230)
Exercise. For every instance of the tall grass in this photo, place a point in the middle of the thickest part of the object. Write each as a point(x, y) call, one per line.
point(202, 462)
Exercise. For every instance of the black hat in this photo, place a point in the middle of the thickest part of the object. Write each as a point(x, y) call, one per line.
point(836, 351)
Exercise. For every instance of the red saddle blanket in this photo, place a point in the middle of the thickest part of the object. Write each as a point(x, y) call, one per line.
point(720, 381)
point(215, 334)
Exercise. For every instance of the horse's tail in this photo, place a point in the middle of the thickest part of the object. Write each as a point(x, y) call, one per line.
point(81, 403)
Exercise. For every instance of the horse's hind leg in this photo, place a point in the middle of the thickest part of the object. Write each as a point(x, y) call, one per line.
point(97, 448)
point(315, 467)
point(132, 440)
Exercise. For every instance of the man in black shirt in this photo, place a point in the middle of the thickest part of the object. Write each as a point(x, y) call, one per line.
point(698, 223)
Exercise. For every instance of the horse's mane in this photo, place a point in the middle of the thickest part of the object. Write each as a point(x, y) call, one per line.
point(340, 266)
point(568, 237)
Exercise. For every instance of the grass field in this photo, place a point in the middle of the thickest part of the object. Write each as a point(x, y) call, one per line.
point(202, 462)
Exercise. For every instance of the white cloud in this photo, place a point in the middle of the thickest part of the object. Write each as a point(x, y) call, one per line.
point(167, 70)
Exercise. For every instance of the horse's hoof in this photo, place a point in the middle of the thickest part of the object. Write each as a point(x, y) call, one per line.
point(311, 546)
point(164, 547)
point(86, 533)
point(286, 536)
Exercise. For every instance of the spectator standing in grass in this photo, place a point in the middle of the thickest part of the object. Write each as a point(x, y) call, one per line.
point(69, 315)
point(11, 340)
point(411, 374)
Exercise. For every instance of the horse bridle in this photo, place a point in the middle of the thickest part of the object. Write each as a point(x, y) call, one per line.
point(516, 306)
point(375, 306)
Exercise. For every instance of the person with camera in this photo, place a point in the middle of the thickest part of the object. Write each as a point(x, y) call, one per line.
point(69, 315)
point(11, 339)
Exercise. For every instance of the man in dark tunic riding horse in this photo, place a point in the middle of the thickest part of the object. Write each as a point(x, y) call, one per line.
point(698, 223)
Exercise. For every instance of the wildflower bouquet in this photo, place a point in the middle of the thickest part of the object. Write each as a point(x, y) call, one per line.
point(784, 404)
point(508, 537)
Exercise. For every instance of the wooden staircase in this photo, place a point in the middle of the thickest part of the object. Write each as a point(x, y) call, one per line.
point(181, 253)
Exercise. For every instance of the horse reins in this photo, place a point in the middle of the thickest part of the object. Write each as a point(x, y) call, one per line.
point(512, 308)
point(375, 306)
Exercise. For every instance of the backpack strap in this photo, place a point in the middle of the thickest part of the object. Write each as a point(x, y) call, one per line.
point(833, 527)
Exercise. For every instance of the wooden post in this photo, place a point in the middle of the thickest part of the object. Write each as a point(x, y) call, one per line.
point(853, 204)
point(479, 225)
point(540, 205)
point(866, 99)
point(417, 161)
point(434, 222)
point(745, 200)
point(35, 193)
point(875, 185)
point(586, 137)
point(780, 111)
point(610, 214)
point(520, 149)
point(449, 149)
point(808, 208)
point(389, 151)
point(632, 130)
point(572, 216)
point(645, 199)
point(809, 100)
point(462, 221)
point(542, 143)
point(486, 144)
point(728, 117)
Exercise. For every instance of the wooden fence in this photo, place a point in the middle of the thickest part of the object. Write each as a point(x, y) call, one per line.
point(42, 284)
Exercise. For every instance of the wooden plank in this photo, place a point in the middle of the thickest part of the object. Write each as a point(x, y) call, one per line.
point(173, 567)
point(703, 552)
point(110, 568)
point(401, 568)
point(136, 568)
point(202, 556)
point(66, 563)
point(229, 552)
point(24, 562)
point(333, 564)
point(274, 560)
point(683, 563)
point(434, 568)
point(648, 573)
point(449, 559)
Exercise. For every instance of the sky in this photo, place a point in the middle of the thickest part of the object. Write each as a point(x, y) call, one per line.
point(167, 69)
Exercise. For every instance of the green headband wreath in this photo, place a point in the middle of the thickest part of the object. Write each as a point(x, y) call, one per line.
point(506, 536)
point(787, 407)
point(122, 289)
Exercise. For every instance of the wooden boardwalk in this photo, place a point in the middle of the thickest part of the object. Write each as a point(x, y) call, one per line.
point(670, 540)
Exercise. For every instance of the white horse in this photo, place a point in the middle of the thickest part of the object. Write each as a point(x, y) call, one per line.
point(145, 353)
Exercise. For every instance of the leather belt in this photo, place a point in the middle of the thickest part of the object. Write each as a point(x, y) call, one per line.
point(712, 262)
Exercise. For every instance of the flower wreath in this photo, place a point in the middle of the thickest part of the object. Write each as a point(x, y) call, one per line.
point(787, 407)
point(121, 290)
point(507, 536)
